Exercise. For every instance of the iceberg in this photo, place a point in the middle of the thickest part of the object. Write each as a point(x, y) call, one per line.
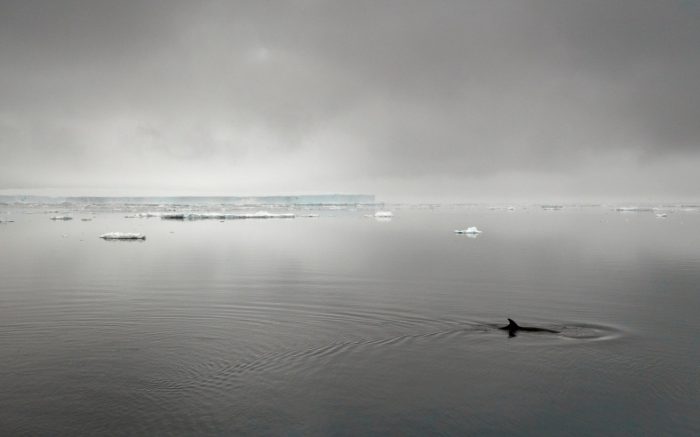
point(472, 230)
point(61, 217)
point(383, 214)
point(122, 236)
point(661, 215)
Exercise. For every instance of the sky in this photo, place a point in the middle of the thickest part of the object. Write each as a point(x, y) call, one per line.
point(501, 100)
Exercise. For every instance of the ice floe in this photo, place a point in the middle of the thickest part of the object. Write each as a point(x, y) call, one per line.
point(122, 236)
point(633, 209)
point(222, 216)
point(472, 230)
point(383, 214)
point(61, 217)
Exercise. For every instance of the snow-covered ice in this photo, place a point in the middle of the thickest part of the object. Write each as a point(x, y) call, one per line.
point(222, 216)
point(470, 230)
point(122, 236)
point(633, 209)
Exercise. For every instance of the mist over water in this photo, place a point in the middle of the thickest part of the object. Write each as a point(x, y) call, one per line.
point(344, 324)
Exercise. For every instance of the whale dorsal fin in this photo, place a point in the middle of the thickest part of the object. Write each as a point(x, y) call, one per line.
point(512, 324)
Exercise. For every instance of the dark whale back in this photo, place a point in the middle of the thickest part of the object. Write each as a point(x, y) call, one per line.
point(513, 327)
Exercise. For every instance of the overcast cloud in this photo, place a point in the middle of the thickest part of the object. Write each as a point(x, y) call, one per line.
point(445, 100)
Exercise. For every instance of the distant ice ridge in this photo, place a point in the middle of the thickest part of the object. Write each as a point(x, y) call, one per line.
point(221, 215)
point(61, 217)
point(383, 214)
point(470, 230)
point(122, 236)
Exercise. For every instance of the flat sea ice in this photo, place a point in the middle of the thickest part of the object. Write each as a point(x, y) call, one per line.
point(122, 236)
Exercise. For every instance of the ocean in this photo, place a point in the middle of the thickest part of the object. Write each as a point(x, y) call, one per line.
point(342, 324)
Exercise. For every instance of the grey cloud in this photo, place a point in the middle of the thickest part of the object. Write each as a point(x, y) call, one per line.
point(376, 91)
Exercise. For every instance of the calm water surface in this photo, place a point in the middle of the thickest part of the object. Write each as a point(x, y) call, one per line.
point(345, 325)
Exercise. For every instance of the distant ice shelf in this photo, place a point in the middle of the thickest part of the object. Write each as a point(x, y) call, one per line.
point(122, 236)
point(222, 216)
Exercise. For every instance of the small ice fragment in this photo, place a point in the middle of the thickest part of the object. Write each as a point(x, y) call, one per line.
point(661, 215)
point(384, 214)
point(61, 217)
point(310, 215)
point(633, 209)
point(122, 236)
point(470, 230)
point(86, 219)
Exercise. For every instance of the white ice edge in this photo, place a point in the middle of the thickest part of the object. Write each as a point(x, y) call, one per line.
point(221, 216)
point(383, 214)
point(123, 236)
point(469, 230)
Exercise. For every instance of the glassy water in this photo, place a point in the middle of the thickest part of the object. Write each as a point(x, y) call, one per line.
point(346, 325)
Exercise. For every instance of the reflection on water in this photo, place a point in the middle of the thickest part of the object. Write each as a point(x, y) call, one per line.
point(346, 326)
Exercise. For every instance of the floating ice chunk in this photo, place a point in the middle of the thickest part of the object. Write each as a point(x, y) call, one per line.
point(661, 215)
point(552, 207)
point(148, 214)
point(6, 221)
point(61, 217)
point(472, 230)
point(633, 209)
point(383, 214)
point(221, 216)
point(86, 219)
point(309, 215)
point(122, 236)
